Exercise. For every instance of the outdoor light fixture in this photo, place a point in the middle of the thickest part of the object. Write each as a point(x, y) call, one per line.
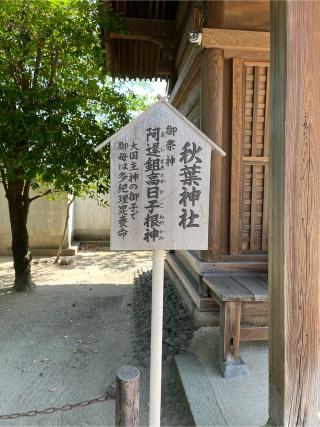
point(195, 38)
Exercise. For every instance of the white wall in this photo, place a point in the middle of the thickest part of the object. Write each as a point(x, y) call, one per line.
point(45, 223)
point(90, 221)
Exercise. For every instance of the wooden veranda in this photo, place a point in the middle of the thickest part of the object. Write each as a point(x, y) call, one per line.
point(259, 100)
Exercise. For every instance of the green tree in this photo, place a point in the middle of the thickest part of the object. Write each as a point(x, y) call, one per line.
point(56, 104)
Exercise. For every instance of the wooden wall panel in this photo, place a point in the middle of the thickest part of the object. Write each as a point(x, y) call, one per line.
point(247, 15)
point(253, 15)
point(215, 123)
point(250, 157)
point(294, 278)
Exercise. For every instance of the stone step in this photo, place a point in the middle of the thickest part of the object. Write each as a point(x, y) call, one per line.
point(198, 392)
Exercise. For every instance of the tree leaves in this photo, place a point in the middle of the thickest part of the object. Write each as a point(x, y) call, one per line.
point(56, 104)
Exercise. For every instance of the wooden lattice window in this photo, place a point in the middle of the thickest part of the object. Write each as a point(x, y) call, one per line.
point(250, 157)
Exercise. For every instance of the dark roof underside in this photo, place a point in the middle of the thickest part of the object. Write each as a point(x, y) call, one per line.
point(147, 48)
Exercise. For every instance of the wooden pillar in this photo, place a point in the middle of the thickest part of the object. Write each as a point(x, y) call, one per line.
point(295, 213)
point(127, 397)
point(229, 347)
point(213, 100)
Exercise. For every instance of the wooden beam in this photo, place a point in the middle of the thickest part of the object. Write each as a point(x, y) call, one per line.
point(183, 38)
point(189, 284)
point(182, 13)
point(251, 333)
point(254, 55)
point(185, 74)
point(247, 15)
point(236, 39)
point(215, 14)
point(122, 36)
point(236, 177)
point(212, 125)
point(239, 14)
point(152, 27)
point(295, 214)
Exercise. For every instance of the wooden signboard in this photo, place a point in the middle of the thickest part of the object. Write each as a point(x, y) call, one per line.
point(160, 179)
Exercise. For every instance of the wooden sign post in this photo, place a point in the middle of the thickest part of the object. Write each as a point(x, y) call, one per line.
point(160, 183)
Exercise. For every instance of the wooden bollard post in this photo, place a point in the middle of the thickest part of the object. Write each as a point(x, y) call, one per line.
point(127, 397)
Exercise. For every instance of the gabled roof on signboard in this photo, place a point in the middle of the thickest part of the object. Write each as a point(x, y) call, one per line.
point(151, 109)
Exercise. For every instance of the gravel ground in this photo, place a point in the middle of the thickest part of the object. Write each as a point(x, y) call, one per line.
point(64, 342)
point(177, 334)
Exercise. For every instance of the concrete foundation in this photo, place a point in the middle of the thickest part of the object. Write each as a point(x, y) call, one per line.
point(217, 401)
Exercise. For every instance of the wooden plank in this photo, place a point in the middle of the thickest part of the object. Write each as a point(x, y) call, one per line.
point(256, 160)
point(253, 257)
point(187, 86)
point(264, 277)
point(235, 39)
point(185, 74)
point(233, 267)
point(252, 333)
point(144, 37)
point(150, 9)
point(180, 256)
point(191, 258)
point(228, 289)
point(189, 94)
point(226, 163)
point(194, 114)
point(253, 208)
point(253, 285)
point(230, 331)
point(215, 13)
point(183, 38)
point(181, 15)
point(151, 27)
point(190, 284)
point(192, 99)
point(255, 264)
point(257, 308)
point(263, 280)
point(212, 125)
point(247, 14)
point(255, 112)
point(172, 261)
point(294, 344)
point(264, 243)
point(254, 153)
point(246, 55)
point(237, 126)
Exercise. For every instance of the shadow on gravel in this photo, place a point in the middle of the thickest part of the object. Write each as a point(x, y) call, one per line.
point(63, 344)
point(178, 331)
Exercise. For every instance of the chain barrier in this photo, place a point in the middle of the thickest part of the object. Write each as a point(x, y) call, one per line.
point(110, 395)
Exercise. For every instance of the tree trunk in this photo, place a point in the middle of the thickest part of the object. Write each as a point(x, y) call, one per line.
point(64, 231)
point(17, 194)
